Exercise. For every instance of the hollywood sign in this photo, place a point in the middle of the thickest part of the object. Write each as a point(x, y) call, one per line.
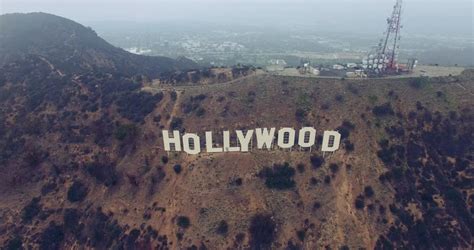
point(264, 137)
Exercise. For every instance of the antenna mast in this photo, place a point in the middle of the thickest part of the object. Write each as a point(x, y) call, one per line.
point(385, 58)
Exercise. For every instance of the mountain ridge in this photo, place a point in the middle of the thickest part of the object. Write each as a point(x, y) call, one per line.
point(73, 47)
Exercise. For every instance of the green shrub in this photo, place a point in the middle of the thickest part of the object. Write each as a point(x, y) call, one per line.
point(359, 202)
point(126, 131)
point(71, 219)
point(222, 228)
point(183, 222)
point(316, 161)
point(14, 244)
point(77, 192)
point(262, 231)
point(176, 123)
point(383, 110)
point(177, 168)
point(301, 114)
point(31, 210)
point(368, 191)
point(300, 167)
point(136, 106)
point(334, 168)
point(103, 170)
point(52, 237)
point(301, 234)
point(419, 82)
point(278, 177)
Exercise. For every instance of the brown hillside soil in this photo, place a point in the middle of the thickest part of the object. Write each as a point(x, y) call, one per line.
point(140, 200)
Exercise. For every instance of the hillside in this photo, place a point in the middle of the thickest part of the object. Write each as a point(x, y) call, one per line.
point(71, 47)
point(82, 163)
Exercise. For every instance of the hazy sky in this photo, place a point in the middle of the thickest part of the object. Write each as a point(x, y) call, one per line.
point(420, 16)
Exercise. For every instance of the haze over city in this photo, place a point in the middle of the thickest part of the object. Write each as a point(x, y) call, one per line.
point(363, 16)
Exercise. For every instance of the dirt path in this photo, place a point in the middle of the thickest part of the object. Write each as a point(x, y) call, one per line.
point(175, 108)
point(51, 66)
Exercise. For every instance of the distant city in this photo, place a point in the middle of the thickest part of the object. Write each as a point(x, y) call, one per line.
point(213, 45)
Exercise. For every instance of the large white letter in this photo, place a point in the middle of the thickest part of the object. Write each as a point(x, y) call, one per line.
point(264, 137)
point(307, 137)
point(175, 140)
point(331, 141)
point(244, 140)
point(282, 143)
point(187, 144)
point(227, 147)
point(209, 143)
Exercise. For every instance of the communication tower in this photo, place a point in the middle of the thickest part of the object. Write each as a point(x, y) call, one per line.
point(384, 59)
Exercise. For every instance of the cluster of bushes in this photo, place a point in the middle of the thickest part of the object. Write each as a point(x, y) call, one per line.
point(135, 106)
point(391, 154)
point(345, 129)
point(339, 98)
point(108, 84)
point(301, 234)
point(52, 236)
point(383, 110)
point(241, 70)
point(34, 155)
point(77, 192)
point(421, 168)
point(126, 132)
point(32, 209)
point(183, 222)
point(189, 76)
point(176, 123)
point(369, 191)
point(300, 167)
point(222, 228)
point(194, 105)
point(103, 170)
point(102, 231)
point(316, 161)
point(301, 114)
point(360, 202)
point(174, 77)
point(236, 182)
point(51, 90)
point(395, 131)
point(194, 76)
point(177, 168)
point(278, 177)
point(419, 82)
point(334, 168)
point(102, 130)
point(262, 231)
point(14, 243)
point(71, 219)
point(10, 144)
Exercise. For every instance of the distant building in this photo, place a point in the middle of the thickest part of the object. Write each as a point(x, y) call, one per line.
point(356, 73)
point(308, 69)
point(138, 51)
point(277, 62)
point(351, 65)
point(276, 65)
point(315, 71)
point(337, 67)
